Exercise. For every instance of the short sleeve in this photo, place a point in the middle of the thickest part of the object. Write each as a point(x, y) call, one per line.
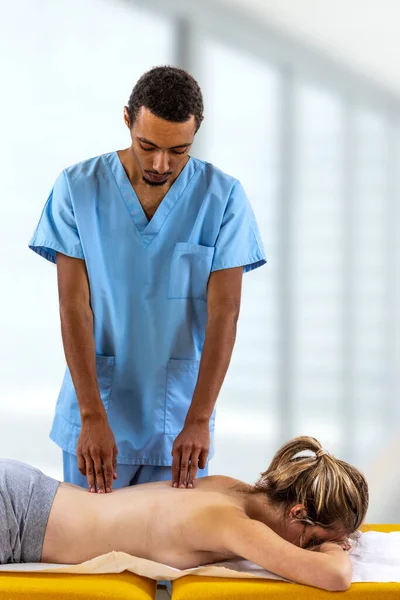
point(57, 229)
point(238, 243)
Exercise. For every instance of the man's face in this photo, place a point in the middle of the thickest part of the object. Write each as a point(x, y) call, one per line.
point(160, 147)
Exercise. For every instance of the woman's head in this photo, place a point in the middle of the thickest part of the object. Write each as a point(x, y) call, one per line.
point(314, 488)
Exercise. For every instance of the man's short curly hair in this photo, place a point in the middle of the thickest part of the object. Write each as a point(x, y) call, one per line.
point(169, 93)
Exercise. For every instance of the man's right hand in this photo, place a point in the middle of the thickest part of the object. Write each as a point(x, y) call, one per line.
point(96, 452)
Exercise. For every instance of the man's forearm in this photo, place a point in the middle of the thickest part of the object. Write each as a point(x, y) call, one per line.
point(217, 351)
point(80, 353)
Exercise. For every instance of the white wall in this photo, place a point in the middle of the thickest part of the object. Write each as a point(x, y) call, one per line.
point(363, 34)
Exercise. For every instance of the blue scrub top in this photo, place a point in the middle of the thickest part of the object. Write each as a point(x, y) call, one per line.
point(148, 287)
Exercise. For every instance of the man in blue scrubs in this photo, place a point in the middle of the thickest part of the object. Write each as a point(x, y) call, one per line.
point(150, 246)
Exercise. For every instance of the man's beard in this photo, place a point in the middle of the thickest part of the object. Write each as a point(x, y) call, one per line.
point(154, 183)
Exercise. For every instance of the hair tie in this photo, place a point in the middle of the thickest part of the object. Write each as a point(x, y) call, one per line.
point(320, 453)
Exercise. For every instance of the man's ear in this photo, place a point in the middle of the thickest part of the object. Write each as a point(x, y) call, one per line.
point(201, 120)
point(298, 511)
point(126, 118)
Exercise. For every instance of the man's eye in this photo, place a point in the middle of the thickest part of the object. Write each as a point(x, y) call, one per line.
point(146, 149)
point(177, 152)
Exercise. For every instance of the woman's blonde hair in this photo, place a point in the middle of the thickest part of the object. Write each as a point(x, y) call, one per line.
point(334, 493)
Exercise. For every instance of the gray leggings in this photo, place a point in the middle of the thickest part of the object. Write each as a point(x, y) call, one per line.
point(26, 497)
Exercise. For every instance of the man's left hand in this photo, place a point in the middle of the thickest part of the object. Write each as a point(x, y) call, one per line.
point(190, 452)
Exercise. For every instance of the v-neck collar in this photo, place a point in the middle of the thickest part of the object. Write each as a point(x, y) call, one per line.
point(149, 229)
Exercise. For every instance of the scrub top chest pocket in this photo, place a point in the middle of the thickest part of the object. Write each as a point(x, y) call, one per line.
point(190, 270)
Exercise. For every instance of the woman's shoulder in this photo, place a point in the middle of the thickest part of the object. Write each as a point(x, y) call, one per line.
point(219, 495)
point(223, 482)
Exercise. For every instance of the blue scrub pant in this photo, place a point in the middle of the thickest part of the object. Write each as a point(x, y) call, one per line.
point(127, 474)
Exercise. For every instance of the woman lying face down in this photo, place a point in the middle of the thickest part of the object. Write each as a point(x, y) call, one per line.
point(296, 521)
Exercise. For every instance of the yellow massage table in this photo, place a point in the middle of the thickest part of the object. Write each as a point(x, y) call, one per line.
point(215, 588)
point(49, 586)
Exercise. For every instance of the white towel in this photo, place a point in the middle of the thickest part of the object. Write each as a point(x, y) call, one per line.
point(375, 558)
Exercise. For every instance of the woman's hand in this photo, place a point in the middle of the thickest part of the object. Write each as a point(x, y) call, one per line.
point(331, 546)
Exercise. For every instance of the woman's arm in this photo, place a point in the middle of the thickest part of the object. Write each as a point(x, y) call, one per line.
point(231, 532)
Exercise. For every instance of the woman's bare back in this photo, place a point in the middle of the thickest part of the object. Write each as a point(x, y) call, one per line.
point(186, 528)
point(153, 521)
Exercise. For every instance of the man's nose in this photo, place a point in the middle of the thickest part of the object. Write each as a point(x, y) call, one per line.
point(161, 162)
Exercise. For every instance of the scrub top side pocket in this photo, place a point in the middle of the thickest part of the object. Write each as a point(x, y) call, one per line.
point(181, 382)
point(67, 405)
point(190, 271)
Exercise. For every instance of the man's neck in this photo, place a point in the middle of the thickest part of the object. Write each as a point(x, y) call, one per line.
point(150, 197)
